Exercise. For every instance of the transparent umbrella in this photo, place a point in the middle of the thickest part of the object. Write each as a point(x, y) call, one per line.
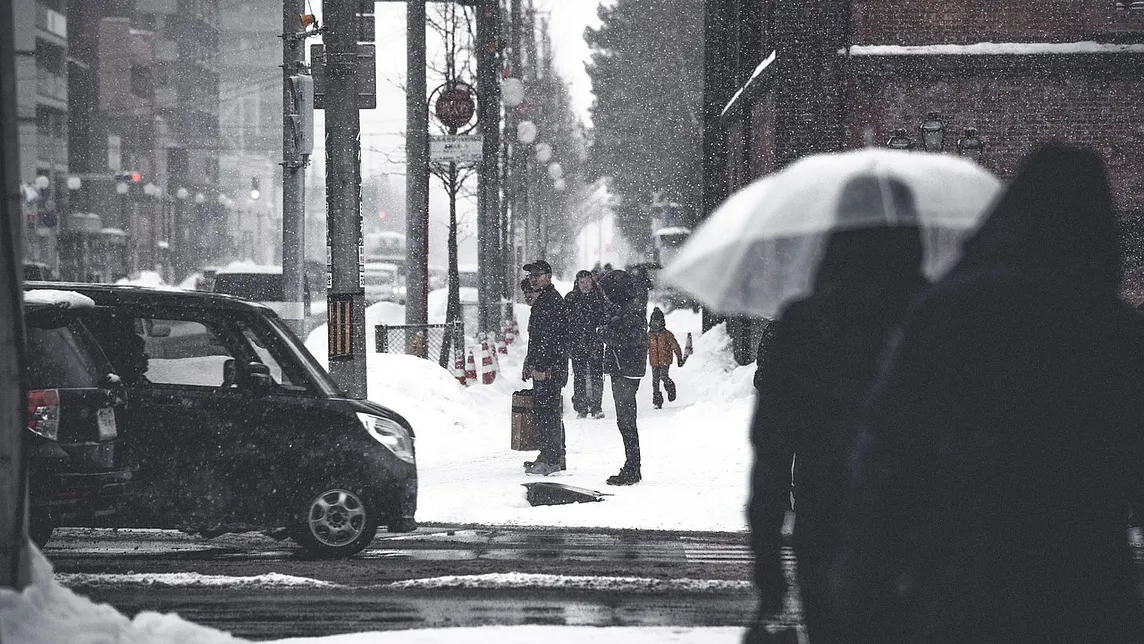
point(761, 248)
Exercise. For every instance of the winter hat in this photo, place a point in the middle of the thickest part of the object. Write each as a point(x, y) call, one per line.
point(657, 314)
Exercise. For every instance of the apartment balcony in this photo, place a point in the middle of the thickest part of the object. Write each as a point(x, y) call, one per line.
point(52, 88)
point(52, 150)
point(52, 24)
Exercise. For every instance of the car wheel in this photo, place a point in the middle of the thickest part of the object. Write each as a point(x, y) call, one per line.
point(337, 521)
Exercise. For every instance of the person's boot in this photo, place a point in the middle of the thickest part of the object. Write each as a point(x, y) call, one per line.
point(669, 385)
point(657, 399)
point(627, 476)
point(542, 468)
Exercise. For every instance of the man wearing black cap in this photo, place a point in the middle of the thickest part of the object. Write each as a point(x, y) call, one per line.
point(547, 364)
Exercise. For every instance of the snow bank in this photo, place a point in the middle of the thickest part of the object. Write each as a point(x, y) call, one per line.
point(47, 613)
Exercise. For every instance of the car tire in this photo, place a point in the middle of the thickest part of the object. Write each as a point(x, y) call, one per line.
point(336, 521)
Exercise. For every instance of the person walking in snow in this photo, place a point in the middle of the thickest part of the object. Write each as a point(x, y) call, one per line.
point(586, 312)
point(819, 363)
point(625, 362)
point(1001, 447)
point(661, 346)
point(547, 367)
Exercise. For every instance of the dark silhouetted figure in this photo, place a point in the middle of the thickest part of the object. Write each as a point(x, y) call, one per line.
point(625, 362)
point(1002, 443)
point(820, 359)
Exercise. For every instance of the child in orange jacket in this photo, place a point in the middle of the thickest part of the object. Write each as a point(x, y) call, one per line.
point(660, 347)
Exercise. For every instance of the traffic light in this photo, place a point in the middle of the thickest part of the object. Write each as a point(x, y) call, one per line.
point(255, 193)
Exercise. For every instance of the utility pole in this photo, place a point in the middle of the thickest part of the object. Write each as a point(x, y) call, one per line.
point(520, 154)
point(416, 170)
point(345, 246)
point(488, 199)
point(15, 563)
point(297, 132)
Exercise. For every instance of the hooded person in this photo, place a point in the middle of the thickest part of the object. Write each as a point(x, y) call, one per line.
point(1001, 446)
point(625, 361)
point(586, 311)
point(821, 357)
point(661, 346)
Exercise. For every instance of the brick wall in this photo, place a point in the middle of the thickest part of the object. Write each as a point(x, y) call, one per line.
point(1015, 102)
point(918, 22)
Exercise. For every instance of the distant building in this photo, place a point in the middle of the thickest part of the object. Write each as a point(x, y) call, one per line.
point(784, 79)
point(41, 30)
point(250, 117)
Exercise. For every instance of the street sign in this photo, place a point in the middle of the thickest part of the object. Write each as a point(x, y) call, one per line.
point(455, 148)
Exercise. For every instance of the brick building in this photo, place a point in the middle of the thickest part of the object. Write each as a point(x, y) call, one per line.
point(787, 78)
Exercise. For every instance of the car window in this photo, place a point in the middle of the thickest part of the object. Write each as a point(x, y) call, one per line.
point(183, 352)
point(62, 358)
point(264, 346)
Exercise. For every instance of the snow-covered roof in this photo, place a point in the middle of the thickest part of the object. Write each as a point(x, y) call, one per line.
point(673, 230)
point(994, 48)
point(61, 299)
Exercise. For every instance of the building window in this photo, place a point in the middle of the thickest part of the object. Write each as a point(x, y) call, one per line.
point(142, 82)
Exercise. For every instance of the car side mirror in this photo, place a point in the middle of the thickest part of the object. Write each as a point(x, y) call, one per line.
point(256, 378)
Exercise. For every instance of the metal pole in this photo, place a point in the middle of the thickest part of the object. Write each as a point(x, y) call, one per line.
point(293, 173)
point(15, 566)
point(520, 154)
point(343, 198)
point(416, 170)
point(488, 201)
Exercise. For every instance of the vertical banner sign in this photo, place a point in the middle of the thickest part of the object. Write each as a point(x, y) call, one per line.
point(341, 328)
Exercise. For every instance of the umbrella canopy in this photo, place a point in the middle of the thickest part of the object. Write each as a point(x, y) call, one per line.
point(761, 248)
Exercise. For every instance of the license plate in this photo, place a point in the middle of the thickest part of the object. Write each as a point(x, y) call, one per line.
point(106, 418)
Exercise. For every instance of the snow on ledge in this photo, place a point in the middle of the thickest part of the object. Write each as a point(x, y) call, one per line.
point(61, 299)
point(528, 580)
point(994, 48)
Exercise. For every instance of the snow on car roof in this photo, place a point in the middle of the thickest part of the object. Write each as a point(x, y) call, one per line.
point(249, 267)
point(61, 299)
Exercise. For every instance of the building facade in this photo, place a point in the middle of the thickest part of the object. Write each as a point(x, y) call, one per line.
point(788, 78)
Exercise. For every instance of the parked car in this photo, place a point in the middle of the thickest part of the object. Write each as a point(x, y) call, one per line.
point(77, 474)
point(233, 426)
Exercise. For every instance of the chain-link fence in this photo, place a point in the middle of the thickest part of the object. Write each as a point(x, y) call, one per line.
point(434, 342)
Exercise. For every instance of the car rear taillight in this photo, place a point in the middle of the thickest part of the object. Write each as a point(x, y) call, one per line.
point(44, 413)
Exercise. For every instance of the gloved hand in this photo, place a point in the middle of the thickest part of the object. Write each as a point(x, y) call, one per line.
point(682, 360)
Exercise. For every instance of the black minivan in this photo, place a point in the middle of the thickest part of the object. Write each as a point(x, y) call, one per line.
point(232, 425)
point(77, 474)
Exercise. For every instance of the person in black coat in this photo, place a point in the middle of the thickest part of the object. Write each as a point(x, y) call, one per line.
point(546, 363)
point(820, 358)
point(625, 361)
point(1001, 448)
point(586, 312)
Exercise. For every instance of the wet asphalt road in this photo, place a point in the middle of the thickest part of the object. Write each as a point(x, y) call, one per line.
point(363, 600)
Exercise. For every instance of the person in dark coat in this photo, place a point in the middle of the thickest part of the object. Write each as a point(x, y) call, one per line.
point(766, 336)
point(547, 366)
point(586, 312)
point(625, 361)
point(819, 362)
point(1001, 448)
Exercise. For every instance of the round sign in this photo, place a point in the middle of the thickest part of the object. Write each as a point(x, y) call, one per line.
point(455, 106)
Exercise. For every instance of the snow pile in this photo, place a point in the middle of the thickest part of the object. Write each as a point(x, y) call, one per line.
point(533, 634)
point(571, 582)
point(61, 299)
point(46, 612)
point(145, 278)
point(191, 580)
